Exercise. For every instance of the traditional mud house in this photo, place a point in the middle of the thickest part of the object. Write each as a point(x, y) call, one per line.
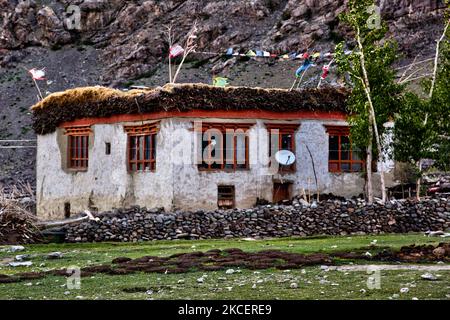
point(189, 147)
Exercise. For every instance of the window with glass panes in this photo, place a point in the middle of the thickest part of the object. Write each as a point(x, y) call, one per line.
point(224, 146)
point(282, 137)
point(142, 147)
point(342, 156)
point(78, 147)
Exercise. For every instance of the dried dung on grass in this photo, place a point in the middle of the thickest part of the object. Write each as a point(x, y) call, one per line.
point(216, 260)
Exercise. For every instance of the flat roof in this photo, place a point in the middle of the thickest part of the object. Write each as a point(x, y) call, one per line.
point(95, 102)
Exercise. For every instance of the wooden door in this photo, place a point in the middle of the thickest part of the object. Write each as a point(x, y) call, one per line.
point(281, 192)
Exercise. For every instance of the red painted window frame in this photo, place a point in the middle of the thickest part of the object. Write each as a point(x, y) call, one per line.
point(78, 147)
point(223, 127)
point(283, 129)
point(342, 131)
point(140, 134)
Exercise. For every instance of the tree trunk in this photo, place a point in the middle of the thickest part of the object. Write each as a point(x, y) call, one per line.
point(369, 165)
point(373, 120)
point(418, 182)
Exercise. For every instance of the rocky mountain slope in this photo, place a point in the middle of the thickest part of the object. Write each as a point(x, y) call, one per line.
point(120, 43)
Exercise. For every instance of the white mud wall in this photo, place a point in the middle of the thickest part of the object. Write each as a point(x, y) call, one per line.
point(177, 183)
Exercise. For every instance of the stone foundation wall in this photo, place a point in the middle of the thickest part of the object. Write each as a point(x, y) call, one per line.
point(332, 217)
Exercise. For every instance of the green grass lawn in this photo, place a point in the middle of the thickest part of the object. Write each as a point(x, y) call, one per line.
point(313, 282)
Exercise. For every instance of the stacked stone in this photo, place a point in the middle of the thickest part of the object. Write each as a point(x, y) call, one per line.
point(331, 217)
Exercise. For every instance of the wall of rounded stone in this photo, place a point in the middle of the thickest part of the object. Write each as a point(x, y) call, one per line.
point(331, 217)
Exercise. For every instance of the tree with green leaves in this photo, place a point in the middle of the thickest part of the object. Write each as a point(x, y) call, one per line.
point(375, 95)
point(439, 96)
point(422, 126)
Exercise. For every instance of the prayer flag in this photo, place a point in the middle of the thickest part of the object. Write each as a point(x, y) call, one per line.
point(303, 68)
point(325, 70)
point(220, 82)
point(175, 51)
point(37, 74)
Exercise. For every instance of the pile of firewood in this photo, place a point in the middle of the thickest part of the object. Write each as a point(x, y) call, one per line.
point(17, 222)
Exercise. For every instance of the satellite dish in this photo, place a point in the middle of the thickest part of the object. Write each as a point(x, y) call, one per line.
point(285, 157)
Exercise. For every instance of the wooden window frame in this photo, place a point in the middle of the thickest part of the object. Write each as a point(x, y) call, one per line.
point(78, 147)
point(283, 128)
point(342, 131)
point(223, 127)
point(223, 197)
point(139, 134)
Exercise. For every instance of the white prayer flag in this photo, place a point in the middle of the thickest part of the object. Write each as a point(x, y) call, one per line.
point(176, 51)
point(37, 74)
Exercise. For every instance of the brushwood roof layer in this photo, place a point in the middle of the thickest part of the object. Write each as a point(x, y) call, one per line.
point(92, 102)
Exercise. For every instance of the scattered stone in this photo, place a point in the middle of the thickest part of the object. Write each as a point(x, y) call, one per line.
point(22, 257)
point(201, 280)
point(404, 290)
point(230, 271)
point(16, 248)
point(294, 285)
point(21, 264)
point(429, 276)
point(54, 255)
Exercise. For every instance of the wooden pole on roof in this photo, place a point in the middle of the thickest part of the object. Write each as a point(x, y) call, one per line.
point(38, 89)
point(189, 47)
point(170, 41)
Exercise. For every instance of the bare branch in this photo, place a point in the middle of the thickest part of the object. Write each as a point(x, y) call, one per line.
point(436, 60)
point(189, 47)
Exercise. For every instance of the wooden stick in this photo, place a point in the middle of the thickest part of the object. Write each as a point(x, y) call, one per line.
point(59, 223)
point(293, 85)
point(39, 90)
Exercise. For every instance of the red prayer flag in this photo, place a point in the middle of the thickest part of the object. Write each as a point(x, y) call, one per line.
point(325, 70)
